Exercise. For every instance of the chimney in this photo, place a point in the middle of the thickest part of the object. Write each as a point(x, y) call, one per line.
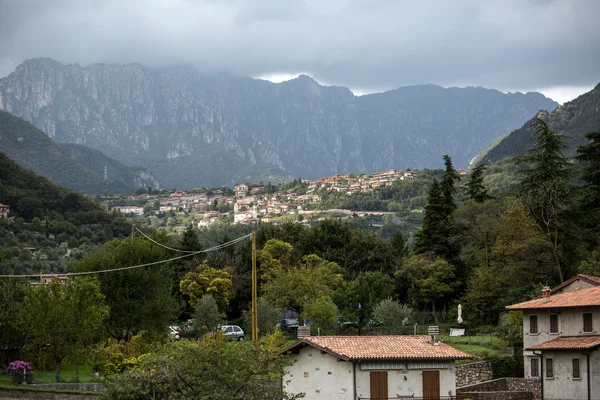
point(434, 332)
point(303, 331)
point(546, 291)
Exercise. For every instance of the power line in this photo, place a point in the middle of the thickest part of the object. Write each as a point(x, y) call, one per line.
point(162, 245)
point(215, 248)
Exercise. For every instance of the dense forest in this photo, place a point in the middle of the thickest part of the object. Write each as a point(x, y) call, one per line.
point(51, 221)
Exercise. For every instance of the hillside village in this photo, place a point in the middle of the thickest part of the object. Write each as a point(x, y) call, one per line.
point(248, 204)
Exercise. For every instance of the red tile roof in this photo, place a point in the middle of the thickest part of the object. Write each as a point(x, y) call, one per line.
point(592, 280)
point(580, 298)
point(569, 343)
point(360, 348)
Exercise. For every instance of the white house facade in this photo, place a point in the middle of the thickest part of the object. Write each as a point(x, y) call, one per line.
point(561, 338)
point(371, 367)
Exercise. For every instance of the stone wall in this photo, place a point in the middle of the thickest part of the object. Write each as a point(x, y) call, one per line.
point(503, 387)
point(497, 395)
point(17, 394)
point(470, 374)
point(79, 387)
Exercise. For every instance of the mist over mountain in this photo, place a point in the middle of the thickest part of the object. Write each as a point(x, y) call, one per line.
point(191, 129)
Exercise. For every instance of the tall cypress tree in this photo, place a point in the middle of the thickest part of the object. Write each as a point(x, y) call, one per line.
point(545, 189)
point(433, 235)
point(474, 188)
point(448, 185)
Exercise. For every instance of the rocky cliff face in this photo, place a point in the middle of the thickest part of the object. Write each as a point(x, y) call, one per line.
point(572, 119)
point(164, 120)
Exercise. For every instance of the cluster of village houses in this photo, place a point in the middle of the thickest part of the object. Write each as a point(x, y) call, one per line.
point(251, 205)
point(561, 338)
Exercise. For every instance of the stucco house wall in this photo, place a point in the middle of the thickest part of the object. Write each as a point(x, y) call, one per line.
point(319, 375)
point(408, 382)
point(570, 323)
point(562, 385)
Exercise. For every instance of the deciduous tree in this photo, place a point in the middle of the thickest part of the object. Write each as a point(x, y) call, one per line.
point(59, 318)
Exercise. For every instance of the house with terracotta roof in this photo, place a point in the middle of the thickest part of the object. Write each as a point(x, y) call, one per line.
point(372, 367)
point(561, 338)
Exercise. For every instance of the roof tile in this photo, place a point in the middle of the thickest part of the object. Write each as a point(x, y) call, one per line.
point(383, 348)
point(568, 343)
point(580, 298)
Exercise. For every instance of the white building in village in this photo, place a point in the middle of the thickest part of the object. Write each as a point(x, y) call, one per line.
point(372, 367)
point(561, 338)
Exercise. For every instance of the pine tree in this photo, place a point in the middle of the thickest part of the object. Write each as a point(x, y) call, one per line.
point(589, 207)
point(545, 189)
point(448, 185)
point(474, 189)
point(433, 235)
point(590, 155)
point(190, 241)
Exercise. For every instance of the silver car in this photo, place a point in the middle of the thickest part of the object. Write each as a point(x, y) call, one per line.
point(232, 332)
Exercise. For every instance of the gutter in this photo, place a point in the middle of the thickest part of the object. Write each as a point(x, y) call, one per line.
point(354, 378)
point(542, 376)
point(589, 383)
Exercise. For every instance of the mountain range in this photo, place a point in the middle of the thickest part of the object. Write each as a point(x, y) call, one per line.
point(191, 129)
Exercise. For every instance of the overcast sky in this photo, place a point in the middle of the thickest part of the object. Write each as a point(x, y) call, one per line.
point(552, 46)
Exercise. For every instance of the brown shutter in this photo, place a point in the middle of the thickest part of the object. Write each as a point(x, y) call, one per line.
point(535, 370)
point(533, 324)
point(431, 385)
point(553, 323)
point(549, 368)
point(587, 322)
point(379, 385)
point(576, 371)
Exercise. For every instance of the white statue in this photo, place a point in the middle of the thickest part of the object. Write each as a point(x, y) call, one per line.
point(459, 319)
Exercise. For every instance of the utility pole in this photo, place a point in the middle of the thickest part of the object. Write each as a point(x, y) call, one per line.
point(132, 232)
point(254, 303)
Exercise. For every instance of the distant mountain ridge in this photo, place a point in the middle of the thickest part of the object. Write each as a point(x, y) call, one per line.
point(67, 164)
point(573, 119)
point(191, 129)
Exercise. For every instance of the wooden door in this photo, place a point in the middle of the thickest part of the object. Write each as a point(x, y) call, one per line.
point(379, 385)
point(431, 385)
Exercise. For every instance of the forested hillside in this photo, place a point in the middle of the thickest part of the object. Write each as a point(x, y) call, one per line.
point(572, 119)
point(43, 216)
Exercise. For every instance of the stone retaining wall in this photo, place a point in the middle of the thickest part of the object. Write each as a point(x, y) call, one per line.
point(504, 387)
point(16, 394)
point(472, 373)
point(497, 395)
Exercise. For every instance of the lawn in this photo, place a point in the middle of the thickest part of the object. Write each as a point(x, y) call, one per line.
point(67, 374)
point(479, 347)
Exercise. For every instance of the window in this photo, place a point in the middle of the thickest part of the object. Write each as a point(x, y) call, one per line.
point(576, 370)
point(553, 323)
point(549, 368)
point(533, 324)
point(535, 368)
point(588, 326)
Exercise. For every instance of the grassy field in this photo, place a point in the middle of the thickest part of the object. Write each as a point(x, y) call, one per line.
point(479, 347)
point(67, 374)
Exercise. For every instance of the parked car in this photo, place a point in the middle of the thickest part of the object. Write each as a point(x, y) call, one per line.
point(174, 332)
point(289, 323)
point(232, 332)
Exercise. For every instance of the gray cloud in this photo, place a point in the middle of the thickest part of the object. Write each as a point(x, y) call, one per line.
point(363, 44)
